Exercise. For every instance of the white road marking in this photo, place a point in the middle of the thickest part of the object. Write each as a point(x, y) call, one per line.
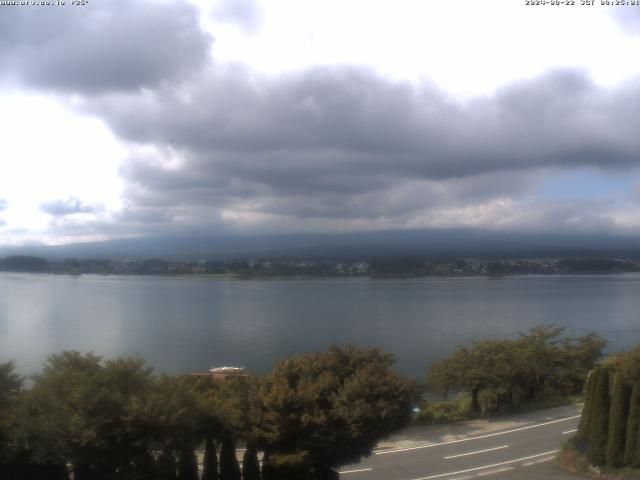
point(356, 471)
point(466, 477)
point(478, 451)
point(488, 466)
point(534, 462)
point(570, 431)
point(385, 452)
point(497, 470)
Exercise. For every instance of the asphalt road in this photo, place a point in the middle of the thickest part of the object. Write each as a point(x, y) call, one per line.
point(523, 452)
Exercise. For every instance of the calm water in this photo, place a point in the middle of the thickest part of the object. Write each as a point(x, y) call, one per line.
point(184, 324)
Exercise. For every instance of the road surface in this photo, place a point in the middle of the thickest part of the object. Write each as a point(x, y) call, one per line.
point(520, 452)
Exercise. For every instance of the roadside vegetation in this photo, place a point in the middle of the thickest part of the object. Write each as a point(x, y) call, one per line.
point(539, 369)
point(608, 439)
point(103, 419)
point(114, 419)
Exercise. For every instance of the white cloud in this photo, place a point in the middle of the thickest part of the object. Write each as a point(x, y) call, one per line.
point(48, 153)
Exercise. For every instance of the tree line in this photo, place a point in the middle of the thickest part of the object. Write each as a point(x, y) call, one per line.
point(609, 430)
point(104, 419)
point(108, 419)
point(500, 374)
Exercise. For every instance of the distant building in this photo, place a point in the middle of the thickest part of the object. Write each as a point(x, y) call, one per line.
point(222, 373)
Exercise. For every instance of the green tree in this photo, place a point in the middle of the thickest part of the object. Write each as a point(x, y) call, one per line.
point(583, 427)
point(537, 364)
point(210, 462)
point(171, 418)
point(617, 421)
point(188, 465)
point(599, 421)
point(229, 467)
point(79, 410)
point(250, 464)
point(579, 356)
point(488, 364)
point(326, 409)
point(633, 428)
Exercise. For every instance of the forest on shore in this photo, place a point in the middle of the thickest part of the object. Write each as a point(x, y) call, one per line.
point(104, 419)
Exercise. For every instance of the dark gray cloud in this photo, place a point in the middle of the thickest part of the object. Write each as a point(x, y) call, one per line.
point(246, 14)
point(339, 148)
point(68, 206)
point(107, 45)
point(341, 144)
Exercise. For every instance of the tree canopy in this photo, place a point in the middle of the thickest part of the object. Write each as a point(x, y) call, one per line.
point(536, 364)
point(325, 409)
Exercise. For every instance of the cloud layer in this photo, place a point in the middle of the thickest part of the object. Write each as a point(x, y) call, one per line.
point(220, 147)
point(114, 45)
point(343, 145)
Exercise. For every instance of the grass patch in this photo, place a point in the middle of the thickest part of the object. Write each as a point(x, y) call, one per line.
point(459, 409)
point(547, 403)
point(446, 411)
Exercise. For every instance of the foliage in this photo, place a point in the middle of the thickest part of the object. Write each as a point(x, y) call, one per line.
point(210, 462)
point(325, 409)
point(585, 419)
point(632, 445)
point(188, 465)
point(538, 364)
point(454, 410)
point(250, 464)
point(599, 421)
point(617, 421)
point(80, 410)
point(610, 421)
point(229, 467)
point(10, 385)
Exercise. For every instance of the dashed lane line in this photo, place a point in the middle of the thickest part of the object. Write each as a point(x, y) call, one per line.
point(430, 445)
point(355, 471)
point(535, 462)
point(570, 431)
point(494, 472)
point(478, 451)
point(500, 464)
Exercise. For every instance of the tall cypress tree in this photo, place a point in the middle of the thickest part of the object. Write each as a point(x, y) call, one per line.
point(585, 419)
point(618, 414)
point(188, 466)
point(633, 427)
point(250, 464)
point(229, 467)
point(599, 422)
point(268, 472)
point(166, 466)
point(210, 463)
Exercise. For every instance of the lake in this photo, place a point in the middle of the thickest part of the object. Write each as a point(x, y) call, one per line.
point(181, 324)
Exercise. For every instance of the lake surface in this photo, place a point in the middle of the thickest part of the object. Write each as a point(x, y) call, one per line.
point(181, 324)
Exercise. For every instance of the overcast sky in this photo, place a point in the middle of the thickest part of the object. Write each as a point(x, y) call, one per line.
point(148, 117)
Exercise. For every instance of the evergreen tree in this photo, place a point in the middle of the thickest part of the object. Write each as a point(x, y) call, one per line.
point(166, 466)
point(583, 427)
point(210, 463)
point(617, 421)
point(599, 422)
point(268, 471)
point(229, 467)
point(188, 467)
point(633, 427)
point(250, 464)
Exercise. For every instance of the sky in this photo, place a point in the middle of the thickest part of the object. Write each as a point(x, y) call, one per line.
point(130, 118)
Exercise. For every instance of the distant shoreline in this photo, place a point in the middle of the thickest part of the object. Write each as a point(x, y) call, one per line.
point(233, 276)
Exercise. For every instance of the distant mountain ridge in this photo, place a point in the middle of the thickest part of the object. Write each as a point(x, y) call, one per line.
point(429, 243)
